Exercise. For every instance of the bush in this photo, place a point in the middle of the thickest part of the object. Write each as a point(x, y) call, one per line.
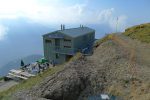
point(1, 78)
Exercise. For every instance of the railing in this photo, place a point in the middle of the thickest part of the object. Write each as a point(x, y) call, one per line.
point(67, 43)
point(63, 50)
point(72, 51)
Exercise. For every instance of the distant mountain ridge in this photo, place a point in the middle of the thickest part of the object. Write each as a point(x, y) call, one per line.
point(15, 64)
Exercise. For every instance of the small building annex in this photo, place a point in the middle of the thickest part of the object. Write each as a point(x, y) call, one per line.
point(61, 45)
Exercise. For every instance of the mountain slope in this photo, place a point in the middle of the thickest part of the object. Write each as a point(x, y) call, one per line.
point(119, 67)
point(108, 70)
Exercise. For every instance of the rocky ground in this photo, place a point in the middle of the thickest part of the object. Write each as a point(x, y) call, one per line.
point(6, 85)
point(108, 71)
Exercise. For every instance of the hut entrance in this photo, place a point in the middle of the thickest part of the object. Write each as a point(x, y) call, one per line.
point(57, 44)
point(68, 57)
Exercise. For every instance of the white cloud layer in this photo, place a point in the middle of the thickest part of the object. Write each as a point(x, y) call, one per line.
point(115, 22)
point(55, 12)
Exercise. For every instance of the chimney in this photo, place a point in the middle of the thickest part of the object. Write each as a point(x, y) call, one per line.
point(61, 27)
point(82, 26)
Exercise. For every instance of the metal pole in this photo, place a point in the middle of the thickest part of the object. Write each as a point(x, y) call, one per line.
point(117, 25)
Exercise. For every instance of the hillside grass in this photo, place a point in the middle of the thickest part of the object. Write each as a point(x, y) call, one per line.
point(139, 32)
point(102, 40)
point(27, 84)
point(1, 78)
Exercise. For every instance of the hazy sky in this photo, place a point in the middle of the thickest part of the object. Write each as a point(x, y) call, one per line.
point(23, 22)
point(54, 12)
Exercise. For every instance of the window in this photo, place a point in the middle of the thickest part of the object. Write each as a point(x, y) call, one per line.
point(67, 46)
point(67, 40)
point(48, 41)
point(89, 36)
point(85, 37)
point(57, 55)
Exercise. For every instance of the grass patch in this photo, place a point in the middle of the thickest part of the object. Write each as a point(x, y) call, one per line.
point(76, 57)
point(139, 32)
point(1, 78)
point(24, 85)
point(102, 40)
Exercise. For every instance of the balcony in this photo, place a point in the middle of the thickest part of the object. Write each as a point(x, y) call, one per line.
point(69, 51)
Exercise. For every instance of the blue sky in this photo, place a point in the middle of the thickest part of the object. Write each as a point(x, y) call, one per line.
point(23, 22)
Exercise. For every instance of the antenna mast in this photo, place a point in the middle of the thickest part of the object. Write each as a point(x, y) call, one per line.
point(117, 25)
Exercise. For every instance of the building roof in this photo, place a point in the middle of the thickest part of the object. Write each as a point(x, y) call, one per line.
point(15, 71)
point(74, 32)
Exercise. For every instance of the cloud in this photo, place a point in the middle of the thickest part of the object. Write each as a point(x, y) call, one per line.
point(108, 16)
point(3, 32)
point(57, 12)
point(79, 14)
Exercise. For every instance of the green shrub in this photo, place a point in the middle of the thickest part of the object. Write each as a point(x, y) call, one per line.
point(1, 78)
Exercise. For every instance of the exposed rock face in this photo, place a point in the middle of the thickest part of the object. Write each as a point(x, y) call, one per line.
point(87, 76)
point(66, 84)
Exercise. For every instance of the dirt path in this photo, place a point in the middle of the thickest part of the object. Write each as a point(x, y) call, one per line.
point(135, 73)
point(139, 56)
point(142, 49)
